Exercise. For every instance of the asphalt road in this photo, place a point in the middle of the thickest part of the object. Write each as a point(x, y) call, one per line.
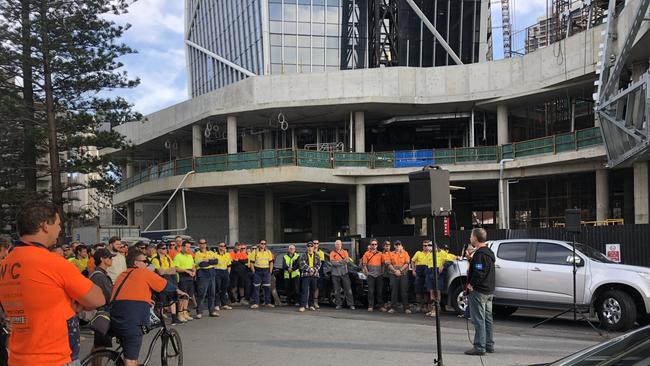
point(282, 336)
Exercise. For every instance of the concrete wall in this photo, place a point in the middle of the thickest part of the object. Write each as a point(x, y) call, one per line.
point(207, 216)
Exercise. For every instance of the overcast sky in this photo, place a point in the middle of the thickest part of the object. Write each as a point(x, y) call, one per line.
point(157, 34)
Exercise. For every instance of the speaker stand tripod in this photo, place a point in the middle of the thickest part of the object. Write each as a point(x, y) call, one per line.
point(436, 300)
point(573, 308)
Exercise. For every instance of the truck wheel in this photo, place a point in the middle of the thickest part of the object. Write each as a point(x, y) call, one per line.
point(643, 320)
point(458, 300)
point(616, 310)
point(502, 310)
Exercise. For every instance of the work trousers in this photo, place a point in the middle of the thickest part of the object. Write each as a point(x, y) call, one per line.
point(375, 291)
point(205, 284)
point(292, 288)
point(308, 286)
point(221, 287)
point(480, 308)
point(399, 290)
point(343, 281)
point(261, 277)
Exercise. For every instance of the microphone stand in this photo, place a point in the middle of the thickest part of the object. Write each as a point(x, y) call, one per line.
point(436, 301)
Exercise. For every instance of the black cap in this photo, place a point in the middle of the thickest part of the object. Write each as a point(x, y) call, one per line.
point(161, 245)
point(102, 253)
point(310, 244)
point(397, 242)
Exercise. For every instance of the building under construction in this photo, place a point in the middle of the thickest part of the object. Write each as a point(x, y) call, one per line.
point(306, 117)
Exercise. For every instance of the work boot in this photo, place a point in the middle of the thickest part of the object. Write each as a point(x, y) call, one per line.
point(216, 308)
point(312, 308)
point(198, 316)
point(302, 309)
point(352, 307)
point(214, 314)
point(270, 305)
point(474, 352)
point(187, 316)
point(227, 307)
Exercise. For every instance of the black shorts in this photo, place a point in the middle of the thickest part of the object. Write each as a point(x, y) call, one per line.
point(187, 286)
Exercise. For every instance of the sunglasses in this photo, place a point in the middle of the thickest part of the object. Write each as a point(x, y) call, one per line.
point(262, 243)
point(142, 260)
point(222, 246)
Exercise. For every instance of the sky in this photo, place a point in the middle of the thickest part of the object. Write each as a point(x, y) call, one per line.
point(157, 35)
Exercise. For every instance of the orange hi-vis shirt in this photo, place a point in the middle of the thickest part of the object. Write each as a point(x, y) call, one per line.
point(397, 260)
point(37, 290)
point(372, 259)
point(339, 256)
point(139, 285)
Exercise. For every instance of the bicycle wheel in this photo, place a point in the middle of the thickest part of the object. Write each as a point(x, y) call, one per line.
point(104, 357)
point(172, 349)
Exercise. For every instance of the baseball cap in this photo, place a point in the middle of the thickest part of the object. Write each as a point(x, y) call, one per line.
point(161, 246)
point(102, 253)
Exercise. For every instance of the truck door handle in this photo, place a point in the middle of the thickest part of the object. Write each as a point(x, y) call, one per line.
point(497, 266)
point(535, 270)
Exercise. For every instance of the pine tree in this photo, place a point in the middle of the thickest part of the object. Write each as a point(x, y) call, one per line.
point(69, 49)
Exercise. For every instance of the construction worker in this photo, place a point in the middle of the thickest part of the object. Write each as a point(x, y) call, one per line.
point(386, 254)
point(291, 271)
point(176, 247)
point(419, 264)
point(309, 273)
point(205, 261)
point(222, 269)
point(239, 274)
point(184, 263)
point(321, 277)
point(80, 259)
point(373, 267)
point(434, 292)
point(261, 264)
point(164, 266)
point(398, 265)
point(340, 259)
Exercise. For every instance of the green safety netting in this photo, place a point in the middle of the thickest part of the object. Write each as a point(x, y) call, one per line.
point(534, 147)
point(166, 169)
point(211, 163)
point(384, 160)
point(565, 142)
point(444, 156)
point(474, 154)
point(314, 159)
point(342, 159)
point(184, 166)
point(589, 137)
point(245, 160)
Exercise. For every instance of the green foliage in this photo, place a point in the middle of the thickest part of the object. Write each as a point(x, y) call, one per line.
point(77, 46)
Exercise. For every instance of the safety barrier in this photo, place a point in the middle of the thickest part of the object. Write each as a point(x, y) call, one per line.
point(372, 160)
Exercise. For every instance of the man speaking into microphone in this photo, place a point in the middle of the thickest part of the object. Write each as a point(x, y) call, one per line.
point(480, 291)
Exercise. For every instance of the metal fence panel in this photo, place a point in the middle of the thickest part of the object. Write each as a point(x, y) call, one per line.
point(413, 158)
point(343, 159)
point(314, 159)
point(211, 163)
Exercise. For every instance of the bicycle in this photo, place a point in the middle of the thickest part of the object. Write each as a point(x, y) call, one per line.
point(170, 350)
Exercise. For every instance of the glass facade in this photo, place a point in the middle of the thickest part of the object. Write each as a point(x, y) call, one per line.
point(305, 35)
point(230, 29)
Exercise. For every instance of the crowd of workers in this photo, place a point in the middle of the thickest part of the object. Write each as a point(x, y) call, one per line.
point(78, 279)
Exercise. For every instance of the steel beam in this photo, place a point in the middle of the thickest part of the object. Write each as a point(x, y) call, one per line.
point(433, 30)
point(220, 59)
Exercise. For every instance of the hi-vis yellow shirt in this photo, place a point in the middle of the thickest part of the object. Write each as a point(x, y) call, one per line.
point(261, 259)
point(421, 258)
point(204, 257)
point(224, 260)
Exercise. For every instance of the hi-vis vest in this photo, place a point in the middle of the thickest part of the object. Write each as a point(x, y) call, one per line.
point(289, 262)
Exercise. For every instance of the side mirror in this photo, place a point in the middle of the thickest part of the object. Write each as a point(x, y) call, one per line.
point(578, 261)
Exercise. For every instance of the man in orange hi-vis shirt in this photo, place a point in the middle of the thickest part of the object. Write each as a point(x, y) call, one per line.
point(41, 292)
point(373, 267)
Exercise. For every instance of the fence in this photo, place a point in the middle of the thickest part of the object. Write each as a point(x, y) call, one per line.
point(371, 160)
point(634, 239)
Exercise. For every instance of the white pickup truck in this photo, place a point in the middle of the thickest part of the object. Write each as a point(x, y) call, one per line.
point(537, 273)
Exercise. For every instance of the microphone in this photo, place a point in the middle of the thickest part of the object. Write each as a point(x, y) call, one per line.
point(464, 253)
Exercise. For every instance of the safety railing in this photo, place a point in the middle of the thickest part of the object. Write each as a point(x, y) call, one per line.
point(372, 160)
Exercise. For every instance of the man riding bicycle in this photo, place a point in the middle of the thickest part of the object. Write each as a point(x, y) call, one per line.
point(130, 310)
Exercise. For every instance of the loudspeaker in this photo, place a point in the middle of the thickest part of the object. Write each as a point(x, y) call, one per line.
point(429, 192)
point(572, 220)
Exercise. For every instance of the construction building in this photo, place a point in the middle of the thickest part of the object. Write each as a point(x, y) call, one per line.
point(306, 117)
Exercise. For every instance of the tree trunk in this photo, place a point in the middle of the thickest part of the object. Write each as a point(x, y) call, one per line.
point(55, 167)
point(29, 142)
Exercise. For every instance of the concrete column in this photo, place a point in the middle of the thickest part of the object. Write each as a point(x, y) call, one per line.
point(483, 33)
point(352, 211)
point(503, 136)
point(197, 141)
point(472, 136)
point(359, 132)
point(361, 210)
point(179, 221)
point(602, 195)
point(641, 193)
point(130, 213)
point(232, 134)
point(268, 143)
point(130, 170)
point(233, 215)
point(269, 212)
